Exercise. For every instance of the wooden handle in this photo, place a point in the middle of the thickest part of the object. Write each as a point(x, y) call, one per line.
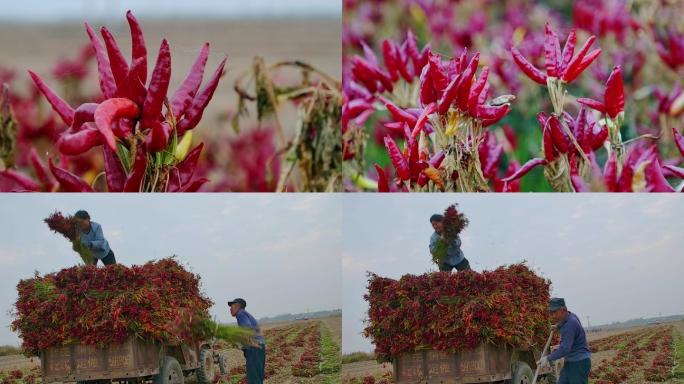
point(546, 347)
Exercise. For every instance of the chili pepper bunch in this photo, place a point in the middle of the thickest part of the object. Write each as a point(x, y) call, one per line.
point(610, 96)
point(67, 226)
point(157, 301)
point(144, 131)
point(454, 222)
point(456, 312)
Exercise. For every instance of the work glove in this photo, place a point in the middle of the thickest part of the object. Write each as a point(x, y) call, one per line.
point(543, 361)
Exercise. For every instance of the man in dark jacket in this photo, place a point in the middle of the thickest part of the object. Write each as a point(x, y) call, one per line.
point(255, 356)
point(573, 346)
point(92, 237)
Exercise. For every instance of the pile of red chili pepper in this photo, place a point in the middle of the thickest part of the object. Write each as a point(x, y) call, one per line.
point(158, 301)
point(456, 312)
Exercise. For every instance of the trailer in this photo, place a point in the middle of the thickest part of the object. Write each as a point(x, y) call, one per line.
point(485, 364)
point(134, 360)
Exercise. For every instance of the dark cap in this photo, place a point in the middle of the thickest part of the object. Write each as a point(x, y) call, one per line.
point(436, 217)
point(242, 302)
point(556, 303)
point(82, 215)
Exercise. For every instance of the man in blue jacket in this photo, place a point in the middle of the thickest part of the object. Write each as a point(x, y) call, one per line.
point(573, 346)
point(91, 236)
point(255, 356)
point(454, 256)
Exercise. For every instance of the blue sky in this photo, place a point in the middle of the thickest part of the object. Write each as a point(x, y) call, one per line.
point(612, 257)
point(77, 10)
point(279, 252)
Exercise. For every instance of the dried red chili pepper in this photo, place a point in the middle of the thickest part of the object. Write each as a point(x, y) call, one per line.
point(74, 143)
point(182, 98)
point(383, 183)
point(613, 98)
point(41, 170)
point(139, 50)
point(181, 175)
point(111, 110)
point(107, 83)
point(159, 85)
point(85, 113)
point(68, 182)
point(20, 179)
point(114, 171)
point(679, 141)
point(158, 138)
point(193, 114)
point(64, 110)
point(398, 160)
point(135, 178)
point(117, 63)
point(525, 169)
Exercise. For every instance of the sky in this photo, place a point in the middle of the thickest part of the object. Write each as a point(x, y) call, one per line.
point(281, 253)
point(612, 257)
point(76, 10)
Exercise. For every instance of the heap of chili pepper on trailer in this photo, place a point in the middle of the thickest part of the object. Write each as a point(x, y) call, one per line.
point(418, 115)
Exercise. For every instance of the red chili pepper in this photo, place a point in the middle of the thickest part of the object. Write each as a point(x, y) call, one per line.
point(550, 153)
point(593, 104)
point(398, 159)
point(578, 183)
point(135, 178)
point(466, 82)
point(449, 95)
point(117, 63)
point(413, 53)
point(476, 90)
point(42, 172)
point(427, 90)
point(614, 96)
point(22, 180)
point(610, 173)
point(85, 113)
point(525, 169)
point(139, 50)
point(193, 114)
point(677, 171)
point(195, 185)
point(597, 137)
point(136, 86)
point(388, 55)
point(575, 66)
point(182, 98)
point(436, 73)
point(530, 70)
point(64, 110)
point(68, 182)
point(109, 111)
point(74, 143)
point(422, 119)
point(679, 141)
point(383, 184)
point(159, 85)
point(401, 115)
point(568, 51)
point(107, 84)
point(560, 139)
point(114, 171)
point(159, 135)
point(492, 113)
point(551, 51)
point(181, 175)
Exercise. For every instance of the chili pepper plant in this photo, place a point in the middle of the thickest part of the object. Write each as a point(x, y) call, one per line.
point(456, 312)
point(477, 95)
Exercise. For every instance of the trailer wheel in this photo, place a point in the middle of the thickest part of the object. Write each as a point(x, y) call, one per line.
point(522, 374)
point(222, 365)
point(170, 372)
point(206, 373)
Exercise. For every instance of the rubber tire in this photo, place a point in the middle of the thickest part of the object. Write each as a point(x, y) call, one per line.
point(222, 364)
point(169, 367)
point(522, 374)
point(206, 372)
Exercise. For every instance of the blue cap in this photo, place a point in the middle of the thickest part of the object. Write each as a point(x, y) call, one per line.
point(556, 303)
